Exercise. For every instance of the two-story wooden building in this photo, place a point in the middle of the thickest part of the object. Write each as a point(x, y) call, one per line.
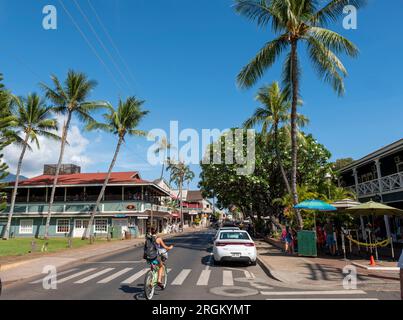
point(129, 202)
point(379, 177)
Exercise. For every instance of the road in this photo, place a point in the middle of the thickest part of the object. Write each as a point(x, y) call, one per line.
point(192, 276)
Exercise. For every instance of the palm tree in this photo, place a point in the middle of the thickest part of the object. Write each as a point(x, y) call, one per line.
point(296, 22)
point(120, 122)
point(69, 99)
point(180, 173)
point(273, 113)
point(163, 146)
point(32, 119)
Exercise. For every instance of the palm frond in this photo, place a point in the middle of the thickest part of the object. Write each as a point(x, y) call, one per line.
point(265, 58)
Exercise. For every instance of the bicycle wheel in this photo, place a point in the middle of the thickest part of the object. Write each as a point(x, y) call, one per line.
point(149, 285)
point(165, 278)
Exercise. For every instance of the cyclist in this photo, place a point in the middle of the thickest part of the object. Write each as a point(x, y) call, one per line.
point(162, 254)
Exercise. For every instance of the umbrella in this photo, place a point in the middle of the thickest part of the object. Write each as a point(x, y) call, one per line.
point(345, 203)
point(375, 209)
point(315, 205)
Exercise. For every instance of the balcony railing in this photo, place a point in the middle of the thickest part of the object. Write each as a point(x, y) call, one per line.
point(388, 184)
point(81, 207)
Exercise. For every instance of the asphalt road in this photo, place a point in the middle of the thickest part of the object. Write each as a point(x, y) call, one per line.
point(192, 276)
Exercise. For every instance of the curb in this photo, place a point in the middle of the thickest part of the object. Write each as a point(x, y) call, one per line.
point(266, 269)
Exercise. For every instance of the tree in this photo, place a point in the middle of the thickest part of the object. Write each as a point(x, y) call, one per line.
point(180, 173)
point(69, 99)
point(273, 113)
point(341, 163)
point(254, 194)
point(120, 122)
point(6, 138)
point(163, 146)
point(296, 22)
point(32, 119)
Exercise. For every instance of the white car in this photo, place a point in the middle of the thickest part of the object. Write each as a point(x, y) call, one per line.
point(234, 245)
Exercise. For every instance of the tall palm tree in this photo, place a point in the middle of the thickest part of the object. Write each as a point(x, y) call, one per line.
point(120, 122)
point(33, 119)
point(180, 173)
point(298, 22)
point(163, 146)
point(69, 99)
point(273, 113)
point(6, 136)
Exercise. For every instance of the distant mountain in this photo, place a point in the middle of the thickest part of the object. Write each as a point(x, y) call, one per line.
point(11, 178)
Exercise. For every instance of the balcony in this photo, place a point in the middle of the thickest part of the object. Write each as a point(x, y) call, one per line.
point(390, 183)
point(107, 207)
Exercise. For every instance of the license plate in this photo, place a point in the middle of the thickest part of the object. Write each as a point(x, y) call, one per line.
point(236, 255)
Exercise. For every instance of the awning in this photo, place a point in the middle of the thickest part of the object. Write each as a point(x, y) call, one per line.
point(175, 215)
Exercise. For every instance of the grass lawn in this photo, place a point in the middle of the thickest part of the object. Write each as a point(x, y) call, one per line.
point(19, 247)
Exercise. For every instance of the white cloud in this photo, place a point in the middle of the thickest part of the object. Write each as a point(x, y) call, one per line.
point(49, 151)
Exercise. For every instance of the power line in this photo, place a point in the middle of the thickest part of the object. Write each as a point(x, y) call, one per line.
point(111, 41)
point(103, 45)
point(90, 45)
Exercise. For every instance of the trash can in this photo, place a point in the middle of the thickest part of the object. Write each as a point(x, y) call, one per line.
point(307, 243)
point(128, 235)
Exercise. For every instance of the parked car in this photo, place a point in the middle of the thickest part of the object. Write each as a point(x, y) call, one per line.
point(234, 245)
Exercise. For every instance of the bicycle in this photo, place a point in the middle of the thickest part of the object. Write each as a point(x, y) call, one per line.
point(151, 279)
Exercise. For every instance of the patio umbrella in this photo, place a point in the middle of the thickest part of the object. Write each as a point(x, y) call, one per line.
point(345, 204)
point(315, 205)
point(375, 209)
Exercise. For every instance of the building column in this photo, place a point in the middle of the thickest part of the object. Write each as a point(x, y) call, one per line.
point(65, 194)
point(28, 195)
point(123, 193)
point(355, 181)
point(379, 177)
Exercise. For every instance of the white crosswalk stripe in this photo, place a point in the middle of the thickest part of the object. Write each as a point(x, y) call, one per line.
point(115, 275)
point(227, 278)
point(313, 293)
point(181, 277)
point(58, 274)
point(135, 276)
point(95, 275)
point(204, 278)
point(76, 275)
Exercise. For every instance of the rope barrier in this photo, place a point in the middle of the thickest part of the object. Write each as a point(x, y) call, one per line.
point(383, 243)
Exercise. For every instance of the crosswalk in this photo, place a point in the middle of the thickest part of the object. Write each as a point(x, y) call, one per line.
point(129, 276)
point(226, 278)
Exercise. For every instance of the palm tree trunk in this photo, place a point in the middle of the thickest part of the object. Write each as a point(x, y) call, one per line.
point(59, 165)
point(294, 142)
point(280, 164)
point(101, 194)
point(6, 234)
point(163, 166)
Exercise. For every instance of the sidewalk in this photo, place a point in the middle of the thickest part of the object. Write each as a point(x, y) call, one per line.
point(315, 272)
point(29, 267)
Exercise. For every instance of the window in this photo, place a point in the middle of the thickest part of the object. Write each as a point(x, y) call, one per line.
point(26, 226)
point(63, 226)
point(234, 236)
point(101, 226)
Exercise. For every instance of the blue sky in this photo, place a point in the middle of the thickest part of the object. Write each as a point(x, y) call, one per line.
point(183, 58)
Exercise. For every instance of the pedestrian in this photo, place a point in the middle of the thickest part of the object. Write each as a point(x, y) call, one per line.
point(289, 242)
point(400, 265)
point(330, 241)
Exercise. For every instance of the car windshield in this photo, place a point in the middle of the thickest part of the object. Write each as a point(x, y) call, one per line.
point(234, 236)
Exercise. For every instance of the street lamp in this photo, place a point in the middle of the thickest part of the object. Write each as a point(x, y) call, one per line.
point(328, 178)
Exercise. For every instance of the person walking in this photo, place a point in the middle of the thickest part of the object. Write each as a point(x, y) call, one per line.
point(330, 241)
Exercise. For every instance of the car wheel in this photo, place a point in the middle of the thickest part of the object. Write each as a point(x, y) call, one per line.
point(216, 262)
point(253, 263)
